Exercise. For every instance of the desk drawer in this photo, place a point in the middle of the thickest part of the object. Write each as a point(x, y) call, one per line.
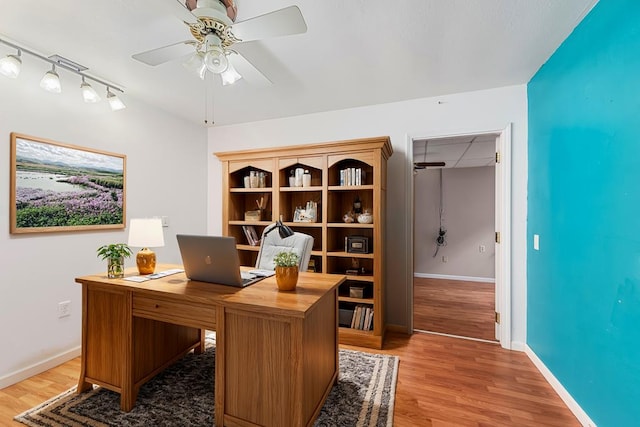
point(178, 312)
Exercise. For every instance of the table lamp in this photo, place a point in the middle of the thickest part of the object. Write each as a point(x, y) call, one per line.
point(145, 233)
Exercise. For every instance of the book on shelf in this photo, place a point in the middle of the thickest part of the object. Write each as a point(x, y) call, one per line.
point(362, 317)
point(352, 176)
point(251, 235)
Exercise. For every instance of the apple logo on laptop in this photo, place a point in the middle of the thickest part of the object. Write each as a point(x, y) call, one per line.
point(207, 260)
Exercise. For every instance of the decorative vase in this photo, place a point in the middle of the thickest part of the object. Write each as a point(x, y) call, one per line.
point(115, 268)
point(286, 278)
point(365, 218)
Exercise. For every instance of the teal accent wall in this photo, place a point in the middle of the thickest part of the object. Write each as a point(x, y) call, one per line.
point(583, 285)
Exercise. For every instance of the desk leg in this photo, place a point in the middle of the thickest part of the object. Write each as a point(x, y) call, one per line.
point(220, 367)
point(128, 391)
point(82, 384)
point(200, 348)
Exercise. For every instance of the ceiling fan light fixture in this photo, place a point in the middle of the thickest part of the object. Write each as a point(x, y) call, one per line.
point(230, 75)
point(196, 64)
point(51, 81)
point(89, 94)
point(10, 65)
point(215, 60)
point(114, 102)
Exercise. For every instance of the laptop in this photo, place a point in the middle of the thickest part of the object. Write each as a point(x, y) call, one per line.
point(213, 259)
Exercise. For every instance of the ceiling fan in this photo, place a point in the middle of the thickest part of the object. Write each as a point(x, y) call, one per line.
point(424, 164)
point(214, 32)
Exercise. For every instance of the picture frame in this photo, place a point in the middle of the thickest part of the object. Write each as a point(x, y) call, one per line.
point(57, 187)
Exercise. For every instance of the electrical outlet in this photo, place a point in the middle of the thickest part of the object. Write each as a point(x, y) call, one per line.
point(482, 248)
point(64, 309)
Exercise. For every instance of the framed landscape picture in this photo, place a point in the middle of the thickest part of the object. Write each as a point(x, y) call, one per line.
point(61, 187)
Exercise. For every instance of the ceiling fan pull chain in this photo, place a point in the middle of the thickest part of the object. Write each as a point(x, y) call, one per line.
point(208, 100)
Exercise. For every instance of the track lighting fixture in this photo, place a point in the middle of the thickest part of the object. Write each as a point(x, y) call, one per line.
point(10, 67)
point(51, 81)
point(114, 102)
point(89, 94)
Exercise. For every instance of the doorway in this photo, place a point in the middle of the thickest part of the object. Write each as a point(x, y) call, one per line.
point(459, 274)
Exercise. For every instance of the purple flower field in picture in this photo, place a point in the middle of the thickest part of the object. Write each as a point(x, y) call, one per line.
point(37, 207)
point(58, 187)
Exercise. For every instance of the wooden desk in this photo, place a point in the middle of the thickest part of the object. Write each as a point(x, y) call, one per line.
point(276, 352)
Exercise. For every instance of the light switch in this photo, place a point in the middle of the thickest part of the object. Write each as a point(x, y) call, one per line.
point(165, 221)
point(536, 242)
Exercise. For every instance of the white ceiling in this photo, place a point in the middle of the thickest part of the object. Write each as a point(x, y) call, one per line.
point(355, 53)
point(457, 152)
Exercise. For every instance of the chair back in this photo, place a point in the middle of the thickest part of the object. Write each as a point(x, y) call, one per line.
point(272, 244)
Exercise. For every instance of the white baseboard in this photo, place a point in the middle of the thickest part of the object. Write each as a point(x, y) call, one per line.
point(573, 406)
point(29, 371)
point(518, 346)
point(448, 277)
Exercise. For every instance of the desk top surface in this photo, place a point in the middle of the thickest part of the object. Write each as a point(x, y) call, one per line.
point(261, 296)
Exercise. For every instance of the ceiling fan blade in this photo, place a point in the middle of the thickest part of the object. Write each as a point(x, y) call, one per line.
point(178, 9)
point(422, 165)
point(281, 22)
point(248, 72)
point(164, 54)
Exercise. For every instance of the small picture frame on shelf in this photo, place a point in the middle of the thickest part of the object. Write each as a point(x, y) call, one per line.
point(308, 214)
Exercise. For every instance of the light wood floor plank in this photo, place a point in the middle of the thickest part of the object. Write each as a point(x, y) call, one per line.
point(454, 307)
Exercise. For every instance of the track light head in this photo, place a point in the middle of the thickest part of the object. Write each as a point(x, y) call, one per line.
point(114, 102)
point(89, 94)
point(51, 81)
point(10, 65)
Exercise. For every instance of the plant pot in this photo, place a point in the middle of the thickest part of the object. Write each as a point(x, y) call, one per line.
point(115, 268)
point(287, 278)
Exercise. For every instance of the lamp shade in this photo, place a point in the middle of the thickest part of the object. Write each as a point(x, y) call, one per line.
point(146, 233)
point(51, 81)
point(215, 60)
point(114, 102)
point(10, 66)
point(89, 94)
point(230, 75)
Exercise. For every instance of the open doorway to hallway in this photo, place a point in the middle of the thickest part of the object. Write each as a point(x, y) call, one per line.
point(454, 280)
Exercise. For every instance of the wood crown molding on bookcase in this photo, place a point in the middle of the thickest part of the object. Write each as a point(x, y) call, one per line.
point(346, 176)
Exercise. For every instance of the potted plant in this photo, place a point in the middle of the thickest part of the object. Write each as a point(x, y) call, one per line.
point(115, 254)
point(286, 270)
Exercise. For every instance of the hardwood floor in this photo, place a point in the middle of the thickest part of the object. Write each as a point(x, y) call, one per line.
point(26, 394)
point(442, 381)
point(454, 307)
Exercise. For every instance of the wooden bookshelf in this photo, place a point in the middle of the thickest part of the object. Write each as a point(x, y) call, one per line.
point(341, 173)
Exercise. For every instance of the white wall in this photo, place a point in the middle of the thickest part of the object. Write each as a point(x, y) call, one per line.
point(166, 175)
point(472, 112)
point(468, 215)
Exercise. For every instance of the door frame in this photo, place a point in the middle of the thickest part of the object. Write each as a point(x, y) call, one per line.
point(503, 225)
